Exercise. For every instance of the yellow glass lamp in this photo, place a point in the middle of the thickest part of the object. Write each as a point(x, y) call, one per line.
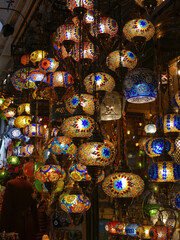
point(144, 230)
point(22, 121)
point(23, 108)
point(37, 56)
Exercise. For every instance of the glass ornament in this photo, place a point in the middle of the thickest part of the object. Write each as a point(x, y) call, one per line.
point(9, 112)
point(36, 76)
point(150, 128)
point(171, 123)
point(47, 65)
point(90, 15)
point(28, 169)
point(20, 81)
point(68, 32)
point(62, 145)
point(177, 201)
point(4, 174)
point(122, 58)
point(23, 108)
point(104, 26)
point(25, 59)
point(22, 121)
point(155, 146)
point(11, 121)
point(33, 130)
point(13, 160)
point(47, 135)
point(37, 56)
point(111, 227)
point(131, 229)
point(27, 150)
point(74, 203)
point(14, 133)
point(138, 28)
point(151, 209)
point(119, 185)
point(50, 173)
point(96, 153)
point(101, 80)
point(78, 126)
point(120, 228)
point(85, 100)
point(60, 79)
point(140, 86)
point(160, 232)
point(78, 172)
point(111, 106)
point(72, 4)
point(176, 99)
point(83, 52)
point(164, 171)
point(17, 151)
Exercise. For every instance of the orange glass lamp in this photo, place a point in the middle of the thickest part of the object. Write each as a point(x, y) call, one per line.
point(160, 231)
point(111, 226)
point(79, 7)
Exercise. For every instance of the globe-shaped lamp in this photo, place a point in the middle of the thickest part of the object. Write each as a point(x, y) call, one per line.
point(171, 123)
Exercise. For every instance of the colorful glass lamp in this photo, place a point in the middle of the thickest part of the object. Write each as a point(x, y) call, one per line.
point(176, 99)
point(149, 5)
point(60, 79)
point(131, 229)
point(79, 7)
point(37, 56)
point(140, 86)
point(13, 160)
point(79, 172)
point(47, 65)
point(120, 227)
point(177, 201)
point(150, 128)
point(143, 231)
point(110, 227)
point(171, 123)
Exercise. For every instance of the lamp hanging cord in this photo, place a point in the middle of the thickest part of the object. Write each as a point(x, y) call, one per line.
point(12, 9)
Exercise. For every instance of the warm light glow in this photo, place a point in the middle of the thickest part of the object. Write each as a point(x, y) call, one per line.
point(140, 124)
point(128, 132)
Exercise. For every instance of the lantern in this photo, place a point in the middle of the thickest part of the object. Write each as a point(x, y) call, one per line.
point(4, 174)
point(36, 76)
point(9, 112)
point(13, 160)
point(171, 123)
point(27, 150)
point(25, 59)
point(176, 99)
point(1, 101)
point(85, 100)
point(143, 231)
point(78, 172)
point(119, 185)
point(74, 5)
point(62, 145)
point(33, 130)
point(22, 121)
point(140, 86)
point(11, 121)
point(15, 133)
point(160, 231)
point(90, 15)
point(37, 56)
point(111, 227)
point(78, 126)
point(131, 229)
point(23, 108)
point(177, 201)
point(50, 173)
point(47, 65)
point(150, 128)
point(120, 228)
point(155, 146)
point(111, 106)
point(17, 151)
point(103, 82)
point(124, 58)
point(60, 79)
point(149, 5)
point(96, 153)
point(105, 27)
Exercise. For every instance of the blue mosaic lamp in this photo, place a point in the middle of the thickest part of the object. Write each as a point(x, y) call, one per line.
point(140, 86)
point(131, 229)
point(177, 201)
point(171, 123)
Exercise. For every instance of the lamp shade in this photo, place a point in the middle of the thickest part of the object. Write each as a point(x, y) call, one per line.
point(155, 146)
point(22, 121)
point(68, 32)
point(48, 65)
point(140, 86)
point(150, 128)
point(14, 133)
point(96, 153)
point(23, 108)
point(25, 59)
point(120, 228)
point(17, 151)
point(36, 76)
point(119, 185)
point(103, 82)
point(177, 201)
point(62, 145)
point(37, 56)
point(27, 150)
point(143, 231)
point(131, 229)
point(74, 203)
point(87, 4)
point(176, 99)
point(50, 173)
point(111, 227)
point(33, 130)
point(111, 106)
point(90, 15)
point(9, 112)
point(161, 233)
point(138, 28)
point(171, 123)
point(78, 126)
point(85, 100)
point(122, 58)
point(165, 171)
point(60, 79)
point(78, 172)
point(13, 160)
point(105, 25)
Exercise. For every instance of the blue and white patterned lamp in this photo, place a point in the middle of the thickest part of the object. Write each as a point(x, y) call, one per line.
point(140, 86)
point(171, 123)
point(131, 229)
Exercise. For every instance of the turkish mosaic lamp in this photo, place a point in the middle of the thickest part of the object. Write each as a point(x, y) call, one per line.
point(47, 65)
point(60, 79)
point(171, 123)
point(131, 229)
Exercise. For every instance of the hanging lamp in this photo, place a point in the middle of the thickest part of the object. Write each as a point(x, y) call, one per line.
point(149, 5)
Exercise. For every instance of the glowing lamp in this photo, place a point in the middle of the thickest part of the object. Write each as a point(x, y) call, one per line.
point(60, 79)
point(16, 151)
point(37, 56)
point(22, 121)
point(155, 146)
point(160, 231)
point(1, 101)
point(33, 130)
point(23, 108)
point(90, 15)
point(13, 160)
point(15, 133)
point(131, 229)
point(85, 100)
point(120, 228)
point(4, 174)
point(74, 4)
point(48, 65)
point(171, 123)
point(111, 227)
point(78, 126)
point(177, 201)
point(25, 59)
point(140, 86)
point(96, 153)
point(150, 128)
point(9, 112)
point(50, 173)
point(143, 231)
point(78, 172)
point(124, 58)
point(36, 76)
point(27, 150)
point(103, 82)
point(62, 145)
point(119, 185)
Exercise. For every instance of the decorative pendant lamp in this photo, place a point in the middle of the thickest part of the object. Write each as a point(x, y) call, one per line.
point(13, 160)
point(120, 227)
point(47, 65)
point(37, 56)
point(131, 229)
point(36, 76)
point(143, 231)
point(85, 100)
point(171, 123)
point(27, 150)
point(177, 201)
point(79, 7)
point(25, 59)
point(9, 112)
point(33, 130)
point(110, 108)
point(60, 79)
point(15, 133)
point(103, 81)
point(140, 86)
point(90, 16)
point(23, 108)
point(176, 99)
point(149, 5)
point(165, 169)
point(22, 121)
point(150, 128)
point(139, 31)
point(110, 227)
point(79, 172)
